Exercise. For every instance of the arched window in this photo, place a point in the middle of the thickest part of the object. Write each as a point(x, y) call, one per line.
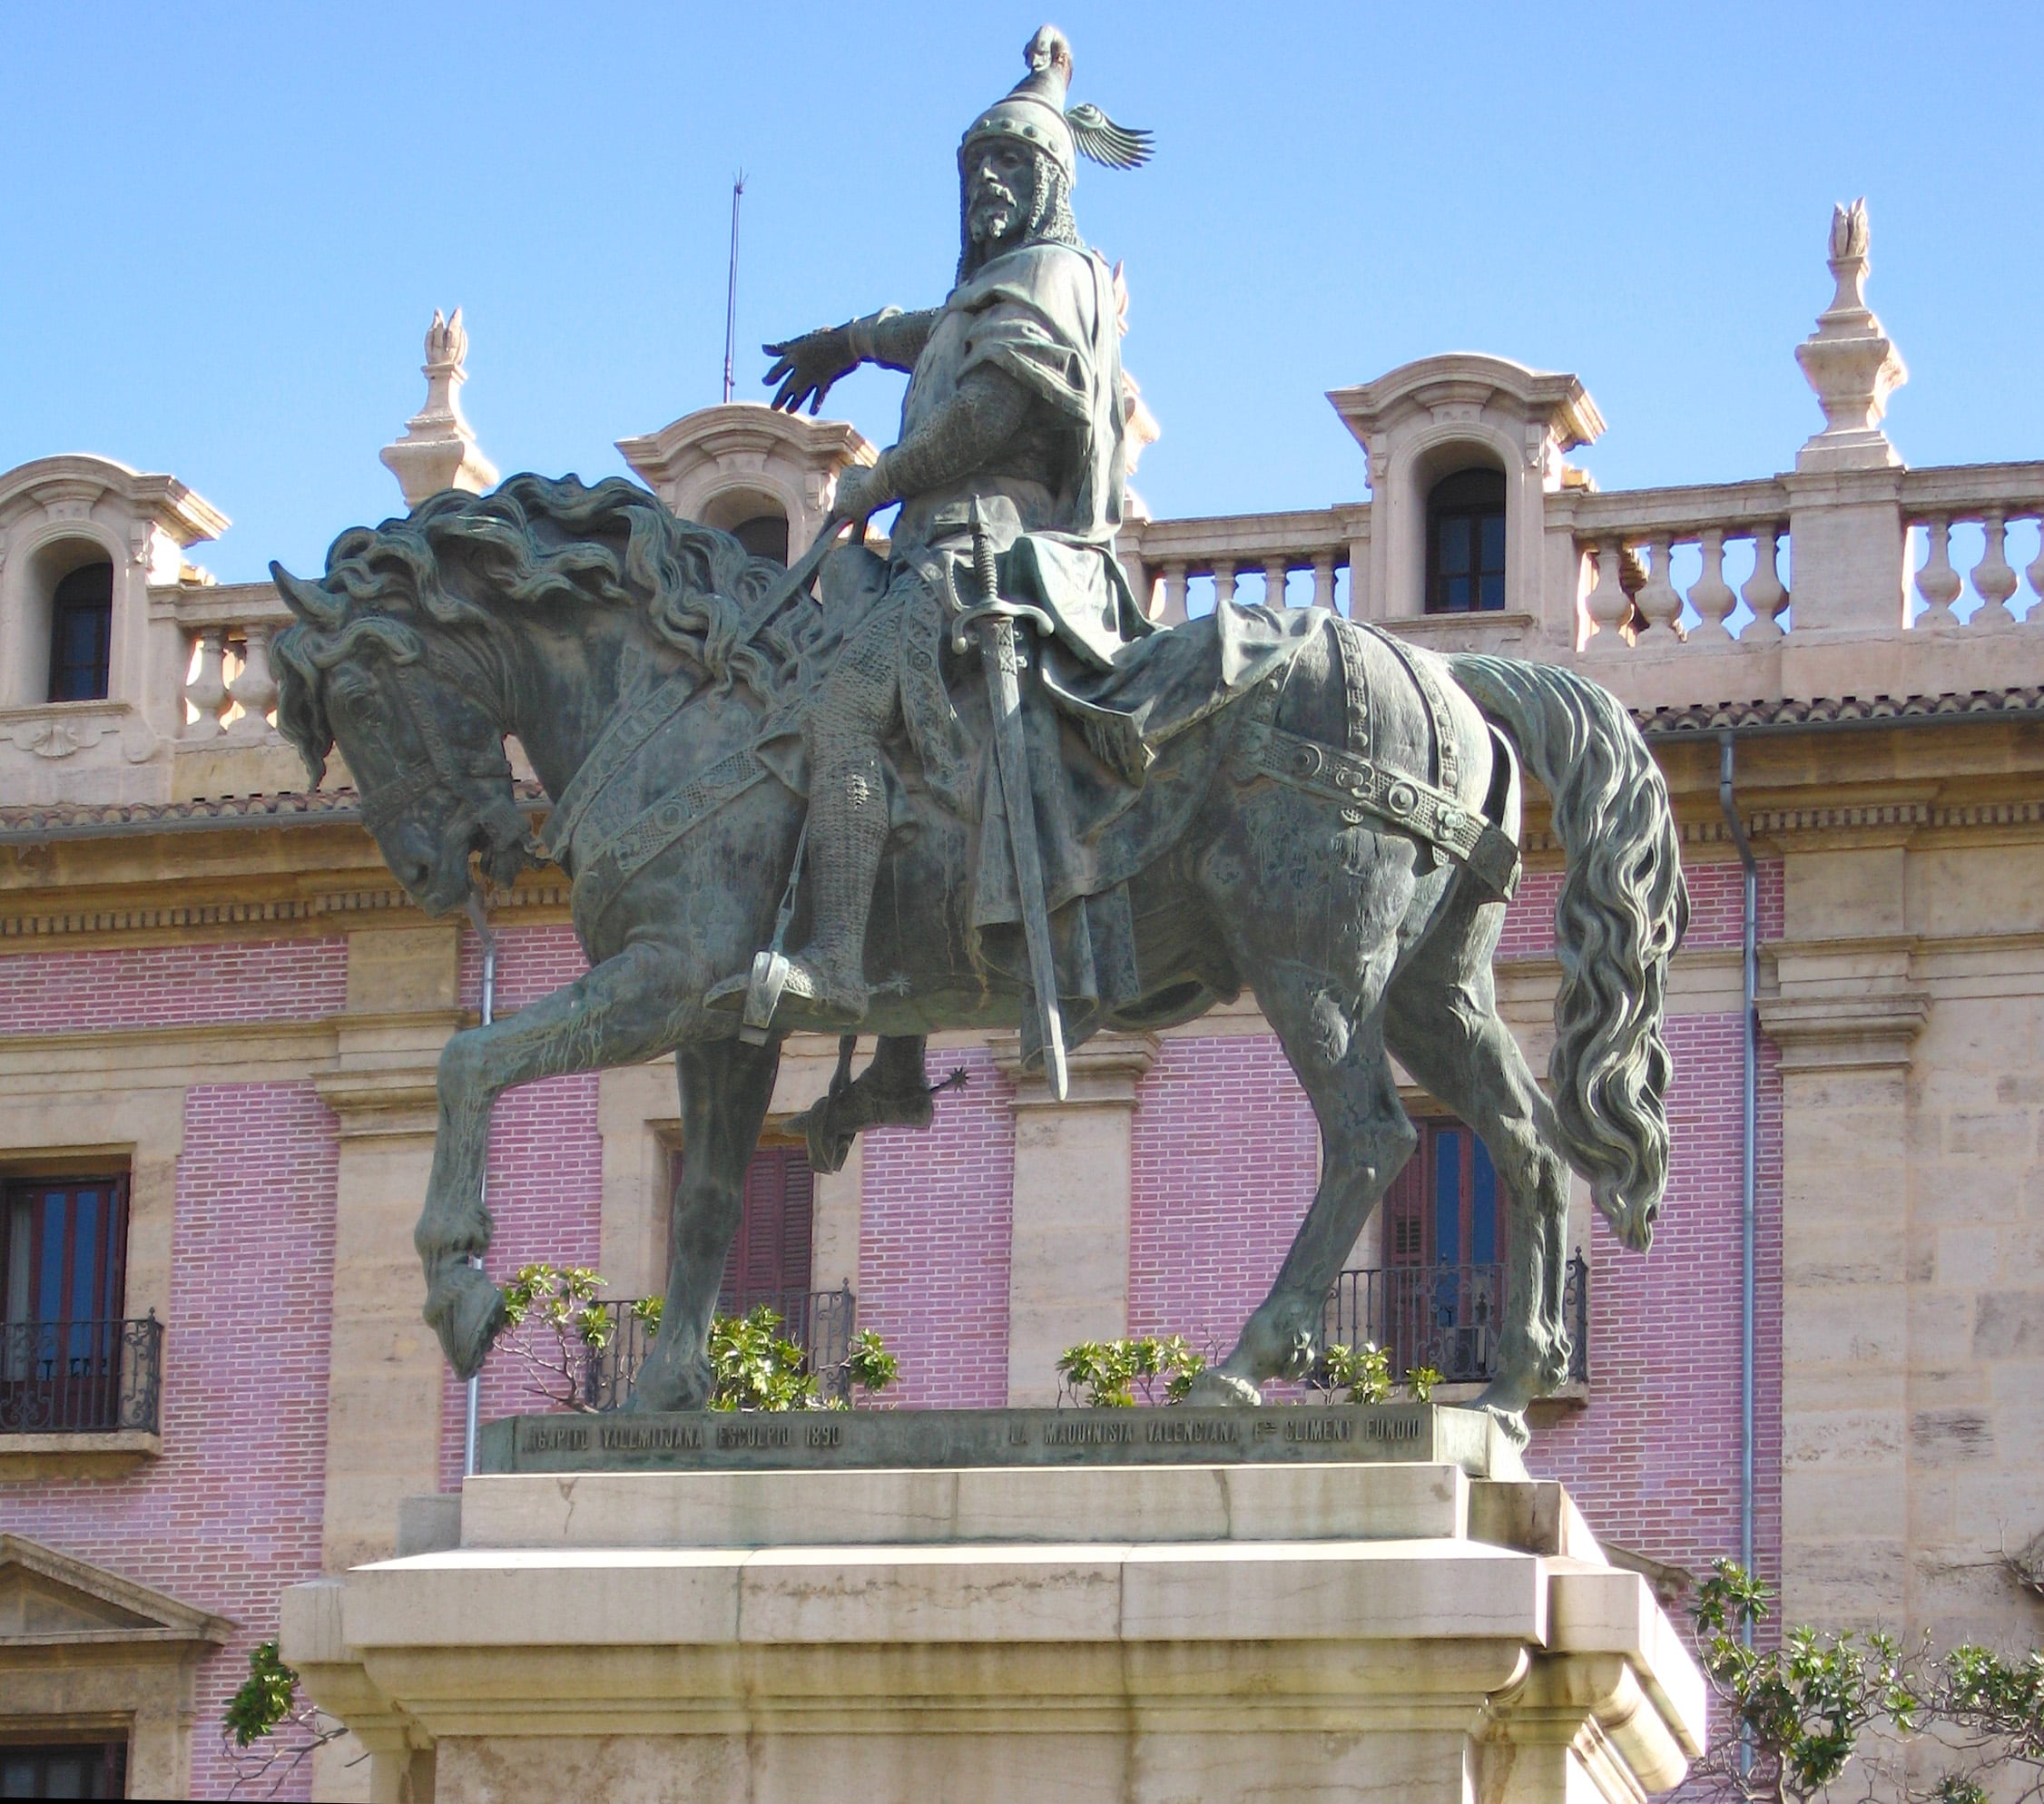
point(82, 634)
point(1466, 543)
point(764, 536)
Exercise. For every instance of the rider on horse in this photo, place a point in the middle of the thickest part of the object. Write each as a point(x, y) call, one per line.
point(1014, 402)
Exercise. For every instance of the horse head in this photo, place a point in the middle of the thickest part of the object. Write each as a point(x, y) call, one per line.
point(407, 712)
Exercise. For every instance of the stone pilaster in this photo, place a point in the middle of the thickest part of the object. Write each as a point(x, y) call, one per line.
point(1068, 1262)
point(383, 1397)
point(1846, 1021)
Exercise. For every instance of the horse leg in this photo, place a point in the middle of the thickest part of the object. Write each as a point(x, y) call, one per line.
point(1332, 1037)
point(1442, 1020)
point(726, 1088)
point(624, 1010)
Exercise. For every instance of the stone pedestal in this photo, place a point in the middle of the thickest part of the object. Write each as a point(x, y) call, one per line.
point(1189, 1633)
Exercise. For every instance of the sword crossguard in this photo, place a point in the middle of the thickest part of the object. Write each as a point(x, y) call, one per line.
point(997, 610)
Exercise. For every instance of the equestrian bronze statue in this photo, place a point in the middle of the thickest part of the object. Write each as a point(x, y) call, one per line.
point(971, 785)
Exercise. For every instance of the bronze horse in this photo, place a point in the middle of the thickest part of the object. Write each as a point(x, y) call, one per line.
point(642, 662)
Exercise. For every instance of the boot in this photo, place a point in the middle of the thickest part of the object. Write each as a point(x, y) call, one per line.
point(848, 830)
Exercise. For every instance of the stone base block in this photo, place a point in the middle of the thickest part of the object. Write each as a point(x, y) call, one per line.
point(1179, 1634)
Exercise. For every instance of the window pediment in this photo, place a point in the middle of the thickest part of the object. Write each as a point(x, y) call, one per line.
point(48, 1597)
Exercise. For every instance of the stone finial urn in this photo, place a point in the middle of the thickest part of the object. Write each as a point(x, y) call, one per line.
point(1849, 361)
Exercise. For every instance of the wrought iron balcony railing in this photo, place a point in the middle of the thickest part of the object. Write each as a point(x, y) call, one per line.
point(1447, 1316)
point(80, 1376)
point(820, 1322)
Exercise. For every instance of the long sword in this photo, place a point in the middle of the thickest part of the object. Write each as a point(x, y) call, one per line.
point(997, 622)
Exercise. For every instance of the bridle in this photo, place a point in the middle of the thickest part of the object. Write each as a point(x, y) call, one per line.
point(444, 771)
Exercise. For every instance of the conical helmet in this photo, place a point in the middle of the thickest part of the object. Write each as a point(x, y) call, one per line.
point(1033, 113)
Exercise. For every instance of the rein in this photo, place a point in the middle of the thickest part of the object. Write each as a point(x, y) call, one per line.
point(444, 771)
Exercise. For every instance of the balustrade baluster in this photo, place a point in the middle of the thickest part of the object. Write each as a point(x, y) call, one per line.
point(207, 691)
point(1712, 595)
point(1993, 580)
point(1175, 574)
point(1324, 581)
point(1223, 581)
point(1938, 583)
point(1658, 600)
point(2035, 572)
point(1764, 592)
point(1607, 605)
point(1275, 572)
point(254, 687)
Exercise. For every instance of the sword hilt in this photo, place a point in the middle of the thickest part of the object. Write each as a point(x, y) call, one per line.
point(986, 573)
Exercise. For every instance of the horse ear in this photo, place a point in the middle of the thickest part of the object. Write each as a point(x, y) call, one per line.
point(308, 601)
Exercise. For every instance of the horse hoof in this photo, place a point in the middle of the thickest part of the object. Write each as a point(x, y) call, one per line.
point(1509, 1412)
point(1216, 1389)
point(666, 1384)
point(466, 1311)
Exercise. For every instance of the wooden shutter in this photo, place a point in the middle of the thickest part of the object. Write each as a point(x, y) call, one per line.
point(1405, 1213)
point(770, 1254)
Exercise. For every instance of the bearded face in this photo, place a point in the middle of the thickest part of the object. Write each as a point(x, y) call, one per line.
point(1013, 196)
point(1004, 190)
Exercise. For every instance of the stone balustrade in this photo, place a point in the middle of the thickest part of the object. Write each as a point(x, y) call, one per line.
point(1869, 583)
point(1644, 590)
point(1989, 498)
point(228, 688)
point(1165, 557)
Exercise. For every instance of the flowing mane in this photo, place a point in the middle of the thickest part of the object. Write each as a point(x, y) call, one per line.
point(459, 560)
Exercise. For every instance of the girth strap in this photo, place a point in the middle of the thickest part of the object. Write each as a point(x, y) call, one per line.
point(1363, 788)
point(672, 817)
point(613, 749)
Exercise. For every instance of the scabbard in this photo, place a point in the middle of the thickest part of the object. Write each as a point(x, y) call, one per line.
point(1011, 758)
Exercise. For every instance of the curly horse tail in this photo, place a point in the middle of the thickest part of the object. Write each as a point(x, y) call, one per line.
point(1623, 910)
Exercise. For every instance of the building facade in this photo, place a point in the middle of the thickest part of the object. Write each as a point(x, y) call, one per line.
point(220, 1018)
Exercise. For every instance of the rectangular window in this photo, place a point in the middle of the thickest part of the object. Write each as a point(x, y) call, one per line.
point(63, 1245)
point(1444, 1248)
point(64, 1769)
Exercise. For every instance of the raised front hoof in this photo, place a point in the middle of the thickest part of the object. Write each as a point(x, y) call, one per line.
point(1216, 1389)
point(466, 1311)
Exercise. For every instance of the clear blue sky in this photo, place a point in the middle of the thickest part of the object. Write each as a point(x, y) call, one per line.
point(226, 226)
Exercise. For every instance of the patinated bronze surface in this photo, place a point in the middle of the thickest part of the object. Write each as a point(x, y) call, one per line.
point(1281, 801)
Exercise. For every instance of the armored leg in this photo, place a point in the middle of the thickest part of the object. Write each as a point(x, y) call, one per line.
point(824, 983)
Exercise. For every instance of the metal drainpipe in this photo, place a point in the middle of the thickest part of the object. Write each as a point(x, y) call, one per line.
point(1749, 1086)
point(480, 916)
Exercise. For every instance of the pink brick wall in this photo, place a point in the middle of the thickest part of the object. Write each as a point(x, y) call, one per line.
point(545, 1167)
point(545, 1191)
point(166, 986)
point(1226, 1156)
point(936, 1220)
point(1716, 909)
point(1654, 1461)
point(230, 1514)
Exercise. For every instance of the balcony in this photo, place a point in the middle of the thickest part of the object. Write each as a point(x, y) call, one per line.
point(1449, 1317)
point(79, 1398)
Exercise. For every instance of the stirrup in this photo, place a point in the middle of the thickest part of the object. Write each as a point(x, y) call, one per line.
point(775, 977)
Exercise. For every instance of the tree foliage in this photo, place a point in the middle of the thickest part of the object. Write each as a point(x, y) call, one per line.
point(1364, 1371)
point(563, 1326)
point(1106, 1374)
point(1831, 1715)
point(269, 1731)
